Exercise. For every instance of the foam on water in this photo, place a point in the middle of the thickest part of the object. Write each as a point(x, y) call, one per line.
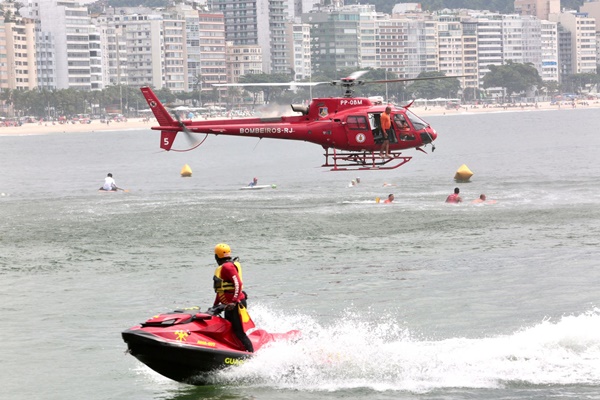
point(378, 353)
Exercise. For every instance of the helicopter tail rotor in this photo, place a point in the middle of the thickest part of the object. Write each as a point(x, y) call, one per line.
point(192, 138)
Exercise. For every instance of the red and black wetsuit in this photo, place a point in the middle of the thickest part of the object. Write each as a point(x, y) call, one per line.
point(229, 288)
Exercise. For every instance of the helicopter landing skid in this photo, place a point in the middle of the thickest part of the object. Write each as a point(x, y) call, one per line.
point(352, 160)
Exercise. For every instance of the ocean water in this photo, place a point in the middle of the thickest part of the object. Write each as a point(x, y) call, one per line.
point(413, 300)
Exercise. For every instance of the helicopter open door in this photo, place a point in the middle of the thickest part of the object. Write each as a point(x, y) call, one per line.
point(375, 123)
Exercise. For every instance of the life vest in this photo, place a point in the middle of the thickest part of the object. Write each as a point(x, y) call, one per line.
point(222, 286)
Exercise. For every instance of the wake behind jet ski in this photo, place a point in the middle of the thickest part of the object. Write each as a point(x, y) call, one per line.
point(186, 345)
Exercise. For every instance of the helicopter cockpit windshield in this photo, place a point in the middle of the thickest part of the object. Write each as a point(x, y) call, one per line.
point(417, 122)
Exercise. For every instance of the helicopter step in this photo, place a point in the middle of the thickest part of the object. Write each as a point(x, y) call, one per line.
point(366, 160)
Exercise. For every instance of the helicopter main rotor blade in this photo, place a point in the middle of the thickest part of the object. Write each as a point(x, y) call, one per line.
point(355, 75)
point(415, 79)
point(269, 84)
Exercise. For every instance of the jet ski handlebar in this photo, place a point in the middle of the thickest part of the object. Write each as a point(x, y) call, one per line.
point(216, 310)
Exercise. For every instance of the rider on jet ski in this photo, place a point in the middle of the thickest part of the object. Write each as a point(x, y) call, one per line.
point(228, 285)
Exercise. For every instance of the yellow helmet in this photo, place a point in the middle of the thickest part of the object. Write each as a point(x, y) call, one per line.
point(222, 250)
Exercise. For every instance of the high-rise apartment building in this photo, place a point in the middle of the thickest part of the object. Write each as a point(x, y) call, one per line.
point(592, 8)
point(521, 40)
point(421, 49)
point(211, 35)
point(258, 22)
point(18, 69)
point(470, 54)
point(175, 54)
point(564, 52)
point(450, 45)
point(63, 33)
point(113, 47)
point(541, 9)
point(489, 41)
point(192, 44)
point(370, 51)
point(549, 47)
point(145, 49)
point(336, 36)
point(298, 41)
point(242, 60)
point(582, 29)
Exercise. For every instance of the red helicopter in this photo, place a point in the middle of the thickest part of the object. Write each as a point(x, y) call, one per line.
point(347, 127)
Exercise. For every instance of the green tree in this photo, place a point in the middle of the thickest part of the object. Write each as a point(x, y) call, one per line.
point(433, 88)
point(6, 96)
point(515, 78)
point(550, 87)
point(502, 6)
point(165, 95)
point(577, 82)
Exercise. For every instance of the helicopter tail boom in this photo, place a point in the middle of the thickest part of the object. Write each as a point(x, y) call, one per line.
point(163, 118)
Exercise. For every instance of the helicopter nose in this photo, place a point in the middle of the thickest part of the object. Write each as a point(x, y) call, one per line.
point(428, 136)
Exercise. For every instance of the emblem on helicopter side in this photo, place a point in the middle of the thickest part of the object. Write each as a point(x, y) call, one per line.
point(360, 137)
point(323, 112)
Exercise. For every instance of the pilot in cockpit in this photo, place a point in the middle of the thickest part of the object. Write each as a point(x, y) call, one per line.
point(403, 127)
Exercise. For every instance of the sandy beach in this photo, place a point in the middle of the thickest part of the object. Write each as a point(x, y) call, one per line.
point(93, 126)
point(141, 123)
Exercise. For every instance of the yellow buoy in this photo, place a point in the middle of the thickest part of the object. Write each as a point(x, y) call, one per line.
point(463, 174)
point(186, 171)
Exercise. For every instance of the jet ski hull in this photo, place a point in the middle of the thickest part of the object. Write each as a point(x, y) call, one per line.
point(187, 346)
point(178, 361)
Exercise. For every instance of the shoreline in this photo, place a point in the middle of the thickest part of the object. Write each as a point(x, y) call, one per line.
point(141, 123)
point(30, 129)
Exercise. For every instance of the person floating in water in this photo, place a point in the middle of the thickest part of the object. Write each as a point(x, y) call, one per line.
point(483, 200)
point(389, 199)
point(253, 183)
point(109, 183)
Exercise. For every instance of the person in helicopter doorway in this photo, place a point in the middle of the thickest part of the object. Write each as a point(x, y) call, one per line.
point(403, 128)
point(228, 286)
point(386, 131)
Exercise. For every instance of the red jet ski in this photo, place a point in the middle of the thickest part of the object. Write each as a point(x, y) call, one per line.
point(186, 345)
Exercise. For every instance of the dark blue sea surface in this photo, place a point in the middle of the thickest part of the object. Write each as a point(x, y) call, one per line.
point(416, 299)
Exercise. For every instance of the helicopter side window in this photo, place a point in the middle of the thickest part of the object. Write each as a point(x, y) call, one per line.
point(403, 127)
point(356, 122)
point(417, 122)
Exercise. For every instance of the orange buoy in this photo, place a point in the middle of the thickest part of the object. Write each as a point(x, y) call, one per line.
point(463, 174)
point(186, 171)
